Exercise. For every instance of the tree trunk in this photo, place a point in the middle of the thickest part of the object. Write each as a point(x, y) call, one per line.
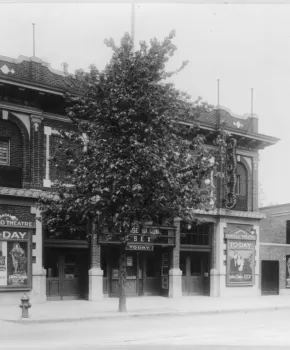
point(122, 279)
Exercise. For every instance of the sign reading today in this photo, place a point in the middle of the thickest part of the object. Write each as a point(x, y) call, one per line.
point(11, 220)
point(13, 234)
point(139, 247)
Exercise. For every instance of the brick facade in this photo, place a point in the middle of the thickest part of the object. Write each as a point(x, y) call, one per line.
point(273, 238)
point(30, 117)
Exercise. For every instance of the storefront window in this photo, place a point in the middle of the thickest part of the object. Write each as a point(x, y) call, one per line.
point(131, 266)
point(195, 234)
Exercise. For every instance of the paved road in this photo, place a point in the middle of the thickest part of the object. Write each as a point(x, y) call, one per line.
point(268, 329)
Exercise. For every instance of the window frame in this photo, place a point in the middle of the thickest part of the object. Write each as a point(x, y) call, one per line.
point(8, 151)
point(287, 231)
point(238, 184)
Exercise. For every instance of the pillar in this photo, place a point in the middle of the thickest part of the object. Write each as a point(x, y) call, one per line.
point(38, 293)
point(95, 272)
point(175, 274)
point(37, 149)
point(217, 272)
point(255, 163)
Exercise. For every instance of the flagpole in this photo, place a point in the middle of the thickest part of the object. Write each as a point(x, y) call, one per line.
point(133, 24)
point(218, 93)
point(33, 26)
point(252, 102)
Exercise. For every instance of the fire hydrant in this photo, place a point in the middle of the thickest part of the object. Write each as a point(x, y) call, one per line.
point(25, 305)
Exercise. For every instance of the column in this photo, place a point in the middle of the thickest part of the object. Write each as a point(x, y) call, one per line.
point(214, 274)
point(37, 149)
point(255, 162)
point(175, 274)
point(95, 272)
point(38, 293)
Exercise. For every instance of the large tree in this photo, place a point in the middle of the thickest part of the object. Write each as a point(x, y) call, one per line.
point(137, 162)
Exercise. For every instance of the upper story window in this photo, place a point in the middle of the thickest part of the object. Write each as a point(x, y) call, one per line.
point(287, 231)
point(238, 184)
point(195, 234)
point(4, 152)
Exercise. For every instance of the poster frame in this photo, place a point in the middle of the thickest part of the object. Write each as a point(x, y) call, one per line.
point(28, 241)
point(240, 284)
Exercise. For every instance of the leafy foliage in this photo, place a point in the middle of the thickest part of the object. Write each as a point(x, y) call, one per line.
point(129, 158)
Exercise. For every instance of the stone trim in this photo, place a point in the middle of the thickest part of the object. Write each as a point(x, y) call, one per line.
point(231, 213)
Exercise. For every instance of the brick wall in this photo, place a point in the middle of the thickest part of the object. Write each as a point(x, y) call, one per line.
point(276, 253)
point(21, 212)
point(273, 228)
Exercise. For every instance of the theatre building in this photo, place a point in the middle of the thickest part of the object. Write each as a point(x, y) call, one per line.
point(219, 257)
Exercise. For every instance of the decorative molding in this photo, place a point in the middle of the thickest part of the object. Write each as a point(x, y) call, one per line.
point(32, 87)
point(14, 108)
point(57, 117)
point(281, 213)
point(36, 121)
point(46, 183)
point(4, 114)
point(275, 244)
point(5, 69)
point(47, 130)
point(227, 212)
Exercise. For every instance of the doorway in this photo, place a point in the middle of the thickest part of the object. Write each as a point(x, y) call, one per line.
point(270, 277)
point(67, 274)
point(195, 267)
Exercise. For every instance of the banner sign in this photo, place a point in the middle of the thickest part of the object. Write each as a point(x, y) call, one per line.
point(154, 235)
point(241, 236)
point(11, 220)
point(240, 262)
point(139, 247)
point(15, 271)
point(9, 234)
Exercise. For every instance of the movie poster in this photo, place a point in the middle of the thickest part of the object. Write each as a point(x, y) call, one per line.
point(17, 264)
point(3, 263)
point(240, 262)
point(287, 271)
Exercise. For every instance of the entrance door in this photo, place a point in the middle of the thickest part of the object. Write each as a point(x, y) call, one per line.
point(270, 278)
point(134, 272)
point(67, 274)
point(195, 273)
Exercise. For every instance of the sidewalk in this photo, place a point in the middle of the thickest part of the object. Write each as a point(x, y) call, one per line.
point(77, 310)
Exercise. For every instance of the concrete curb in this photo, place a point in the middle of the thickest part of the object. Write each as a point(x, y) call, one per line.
point(157, 314)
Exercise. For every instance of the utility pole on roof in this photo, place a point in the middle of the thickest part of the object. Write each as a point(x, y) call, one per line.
point(252, 102)
point(133, 24)
point(218, 93)
point(33, 26)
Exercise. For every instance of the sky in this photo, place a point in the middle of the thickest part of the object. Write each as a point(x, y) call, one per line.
point(244, 46)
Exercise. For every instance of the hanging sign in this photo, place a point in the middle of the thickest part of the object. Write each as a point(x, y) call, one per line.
point(12, 220)
point(139, 247)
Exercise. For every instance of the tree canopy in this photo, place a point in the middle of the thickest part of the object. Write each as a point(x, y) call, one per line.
point(128, 156)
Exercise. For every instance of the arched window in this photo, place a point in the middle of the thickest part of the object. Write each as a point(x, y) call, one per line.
point(241, 188)
point(11, 155)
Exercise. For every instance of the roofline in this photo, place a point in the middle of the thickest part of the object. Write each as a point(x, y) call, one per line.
point(255, 136)
point(274, 206)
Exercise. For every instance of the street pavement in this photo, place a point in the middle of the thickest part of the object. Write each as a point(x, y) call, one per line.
point(263, 329)
point(75, 310)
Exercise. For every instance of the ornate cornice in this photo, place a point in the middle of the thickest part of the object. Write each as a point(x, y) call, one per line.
point(231, 213)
